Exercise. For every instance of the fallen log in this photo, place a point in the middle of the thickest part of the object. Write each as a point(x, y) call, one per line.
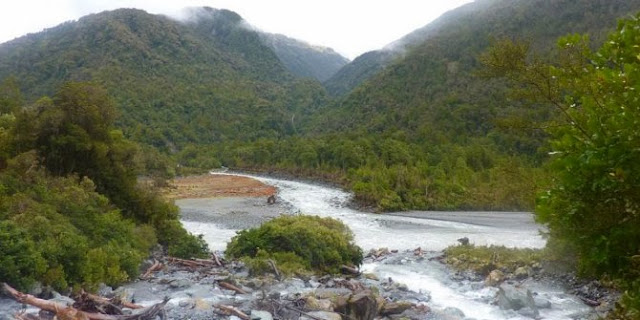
point(66, 312)
point(349, 270)
point(155, 267)
point(115, 301)
point(217, 260)
point(234, 311)
point(229, 286)
point(191, 263)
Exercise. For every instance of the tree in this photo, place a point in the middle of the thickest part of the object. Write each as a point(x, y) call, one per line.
point(594, 203)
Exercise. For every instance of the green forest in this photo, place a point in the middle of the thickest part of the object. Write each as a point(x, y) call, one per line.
point(487, 112)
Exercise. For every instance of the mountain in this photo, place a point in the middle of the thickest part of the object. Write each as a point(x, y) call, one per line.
point(206, 78)
point(305, 60)
point(426, 131)
point(568, 16)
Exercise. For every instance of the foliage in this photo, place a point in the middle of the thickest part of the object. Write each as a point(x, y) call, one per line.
point(320, 244)
point(484, 259)
point(68, 189)
point(593, 205)
point(20, 263)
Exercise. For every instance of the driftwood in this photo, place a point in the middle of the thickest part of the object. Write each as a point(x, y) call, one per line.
point(275, 269)
point(66, 312)
point(349, 270)
point(234, 311)
point(217, 260)
point(155, 267)
point(196, 263)
point(229, 286)
point(589, 302)
point(115, 301)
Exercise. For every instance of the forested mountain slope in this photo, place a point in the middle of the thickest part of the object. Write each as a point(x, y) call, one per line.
point(305, 60)
point(206, 79)
point(427, 131)
point(486, 18)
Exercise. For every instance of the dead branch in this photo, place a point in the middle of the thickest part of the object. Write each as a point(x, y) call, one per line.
point(275, 269)
point(349, 270)
point(191, 263)
point(229, 286)
point(115, 301)
point(233, 310)
point(157, 266)
point(65, 312)
point(218, 262)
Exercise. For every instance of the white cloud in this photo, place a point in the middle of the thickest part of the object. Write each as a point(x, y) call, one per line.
point(349, 26)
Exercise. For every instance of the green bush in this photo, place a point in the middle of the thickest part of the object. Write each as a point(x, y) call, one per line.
point(319, 244)
point(20, 263)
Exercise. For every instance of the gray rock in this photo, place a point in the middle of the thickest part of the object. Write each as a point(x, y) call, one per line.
point(180, 284)
point(522, 273)
point(362, 306)
point(325, 315)
point(36, 289)
point(541, 303)
point(512, 298)
point(104, 290)
point(494, 278)
point(64, 300)
point(260, 315)
point(453, 312)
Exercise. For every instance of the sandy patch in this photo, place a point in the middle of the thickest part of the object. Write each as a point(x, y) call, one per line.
point(213, 185)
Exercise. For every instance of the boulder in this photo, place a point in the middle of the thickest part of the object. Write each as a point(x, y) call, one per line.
point(362, 306)
point(390, 308)
point(312, 303)
point(513, 298)
point(180, 284)
point(260, 315)
point(453, 313)
point(494, 278)
point(522, 273)
point(325, 315)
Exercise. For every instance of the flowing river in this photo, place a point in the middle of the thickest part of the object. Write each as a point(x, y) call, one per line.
point(431, 231)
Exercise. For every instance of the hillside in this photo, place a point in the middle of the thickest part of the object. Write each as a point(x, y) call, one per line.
point(549, 21)
point(305, 60)
point(427, 132)
point(207, 79)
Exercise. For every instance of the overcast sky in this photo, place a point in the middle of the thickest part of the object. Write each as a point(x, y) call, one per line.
point(351, 27)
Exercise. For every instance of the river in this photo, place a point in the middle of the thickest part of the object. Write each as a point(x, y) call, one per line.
point(431, 231)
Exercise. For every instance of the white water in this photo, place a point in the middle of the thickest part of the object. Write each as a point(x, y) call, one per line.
point(404, 233)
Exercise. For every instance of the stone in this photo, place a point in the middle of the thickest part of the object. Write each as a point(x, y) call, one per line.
point(371, 276)
point(36, 289)
point(541, 303)
point(312, 303)
point(64, 300)
point(453, 312)
point(494, 278)
point(464, 241)
point(260, 315)
point(180, 284)
point(325, 315)
point(362, 306)
point(390, 308)
point(512, 298)
point(521, 273)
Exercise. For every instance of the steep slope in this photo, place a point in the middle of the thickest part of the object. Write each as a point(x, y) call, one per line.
point(305, 60)
point(207, 79)
point(426, 132)
point(560, 16)
point(435, 79)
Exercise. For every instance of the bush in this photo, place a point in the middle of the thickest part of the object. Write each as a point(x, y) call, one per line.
point(20, 263)
point(484, 259)
point(309, 242)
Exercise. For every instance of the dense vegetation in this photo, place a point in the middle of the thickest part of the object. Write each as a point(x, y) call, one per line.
point(296, 244)
point(71, 211)
point(593, 206)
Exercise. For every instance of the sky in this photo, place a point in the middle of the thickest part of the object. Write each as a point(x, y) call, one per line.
point(351, 27)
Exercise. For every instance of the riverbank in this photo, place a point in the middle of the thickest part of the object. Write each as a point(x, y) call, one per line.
point(216, 185)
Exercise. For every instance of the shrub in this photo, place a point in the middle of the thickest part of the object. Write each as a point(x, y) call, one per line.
point(20, 263)
point(321, 244)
